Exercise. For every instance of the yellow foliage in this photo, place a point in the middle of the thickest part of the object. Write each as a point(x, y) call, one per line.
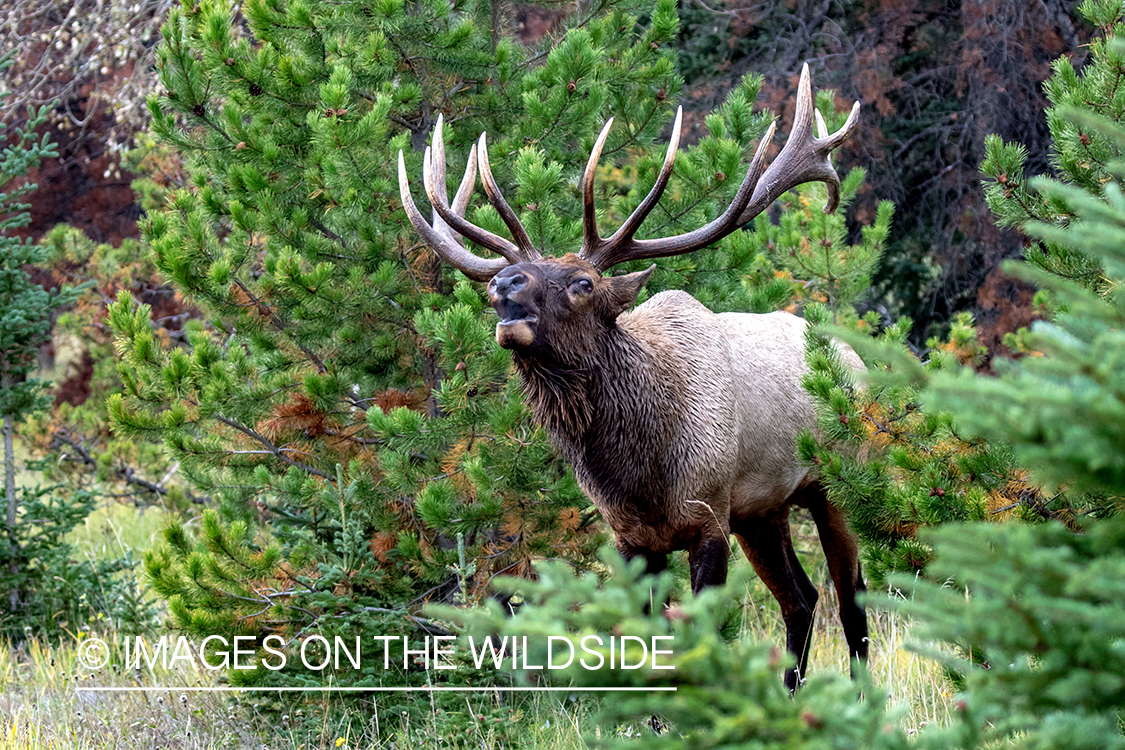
point(570, 519)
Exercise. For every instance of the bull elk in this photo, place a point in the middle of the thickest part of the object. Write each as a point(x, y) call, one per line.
point(680, 422)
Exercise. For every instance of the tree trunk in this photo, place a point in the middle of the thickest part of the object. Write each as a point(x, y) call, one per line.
point(10, 493)
point(495, 24)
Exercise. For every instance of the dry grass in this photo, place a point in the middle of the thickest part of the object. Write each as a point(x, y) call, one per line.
point(114, 527)
point(915, 684)
point(43, 704)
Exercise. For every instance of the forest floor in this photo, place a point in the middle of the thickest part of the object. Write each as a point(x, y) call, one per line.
point(43, 703)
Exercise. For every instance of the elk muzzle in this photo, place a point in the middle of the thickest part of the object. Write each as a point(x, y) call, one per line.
point(511, 293)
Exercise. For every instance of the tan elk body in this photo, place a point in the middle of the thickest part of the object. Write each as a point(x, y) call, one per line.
point(680, 423)
point(726, 391)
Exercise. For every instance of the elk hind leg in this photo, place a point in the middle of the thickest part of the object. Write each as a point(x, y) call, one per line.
point(769, 548)
point(842, 553)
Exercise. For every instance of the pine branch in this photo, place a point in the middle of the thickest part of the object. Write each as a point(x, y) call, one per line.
point(126, 474)
point(277, 452)
point(280, 324)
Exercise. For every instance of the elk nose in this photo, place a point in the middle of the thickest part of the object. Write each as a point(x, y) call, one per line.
point(508, 282)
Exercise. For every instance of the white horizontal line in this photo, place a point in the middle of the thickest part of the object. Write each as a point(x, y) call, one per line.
point(436, 689)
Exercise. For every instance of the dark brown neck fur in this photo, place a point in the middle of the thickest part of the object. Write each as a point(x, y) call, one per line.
point(610, 411)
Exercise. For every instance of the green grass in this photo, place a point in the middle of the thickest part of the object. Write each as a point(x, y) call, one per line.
point(44, 705)
point(114, 528)
point(42, 697)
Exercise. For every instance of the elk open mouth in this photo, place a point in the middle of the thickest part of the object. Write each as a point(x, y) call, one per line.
point(516, 332)
point(517, 323)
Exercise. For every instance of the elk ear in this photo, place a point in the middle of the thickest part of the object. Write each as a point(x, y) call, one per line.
point(624, 289)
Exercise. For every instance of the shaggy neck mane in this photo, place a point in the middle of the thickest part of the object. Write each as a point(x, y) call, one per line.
point(603, 408)
point(558, 392)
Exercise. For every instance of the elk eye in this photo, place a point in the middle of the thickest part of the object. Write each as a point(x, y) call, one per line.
point(584, 285)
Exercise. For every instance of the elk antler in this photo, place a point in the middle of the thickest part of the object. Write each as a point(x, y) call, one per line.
point(449, 222)
point(804, 158)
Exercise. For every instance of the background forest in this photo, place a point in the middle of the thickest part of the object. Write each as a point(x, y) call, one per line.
point(241, 398)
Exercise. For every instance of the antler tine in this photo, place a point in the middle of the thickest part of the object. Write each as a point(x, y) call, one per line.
point(439, 177)
point(821, 127)
point(641, 212)
point(590, 236)
point(465, 190)
point(492, 190)
point(593, 247)
point(804, 158)
point(461, 199)
point(705, 235)
point(439, 198)
point(443, 243)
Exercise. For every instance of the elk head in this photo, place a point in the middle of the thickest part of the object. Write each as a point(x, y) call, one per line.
point(538, 297)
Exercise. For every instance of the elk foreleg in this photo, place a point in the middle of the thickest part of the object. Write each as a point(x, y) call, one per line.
point(768, 546)
point(707, 559)
point(655, 563)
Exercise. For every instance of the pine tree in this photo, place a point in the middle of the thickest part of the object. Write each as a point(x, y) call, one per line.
point(804, 256)
point(344, 399)
point(25, 310)
point(45, 590)
point(1043, 616)
point(1037, 606)
point(1044, 611)
point(26, 306)
point(1036, 610)
point(1080, 153)
point(1062, 410)
point(901, 458)
point(719, 694)
point(75, 435)
point(897, 463)
point(1039, 611)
